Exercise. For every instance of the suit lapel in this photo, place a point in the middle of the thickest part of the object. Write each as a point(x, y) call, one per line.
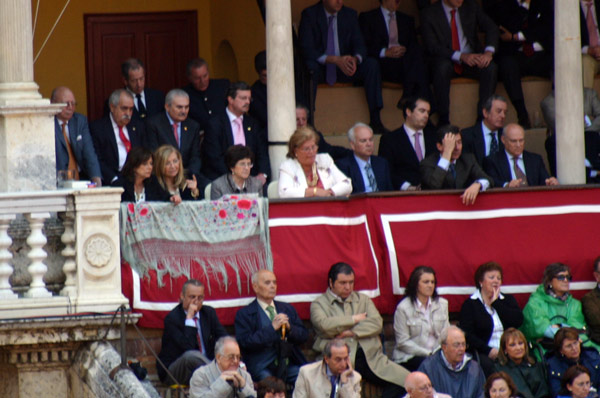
point(249, 134)
point(108, 130)
point(479, 143)
point(413, 154)
point(444, 29)
point(528, 169)
point(380, 23)
point(228, 129)
point(356, 176)
point(166, 128)
point(59, 134)
point(322, 22)
point(504, 166)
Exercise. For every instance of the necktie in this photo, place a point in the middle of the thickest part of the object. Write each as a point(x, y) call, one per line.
point(452, 169)
point(199, 334)
point(140, 106)
point(175, 133)
point(494, 145)
point(455, 43)
point(333, 380)
point(371, 177)
point(519, 173)
point(124, 139)
point(238, 133)
point(591, 26)
point(330, 69)
point(72, 160)
point(271, 311)
point(418, 149)
point(393, 30)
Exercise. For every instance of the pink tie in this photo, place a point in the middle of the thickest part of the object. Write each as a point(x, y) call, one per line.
point(418, 149)
point(591, 26)
point(238, 133)
point(393, 31)
point(175, 133)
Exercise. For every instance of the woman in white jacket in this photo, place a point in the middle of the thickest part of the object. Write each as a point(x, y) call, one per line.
point(307, 174)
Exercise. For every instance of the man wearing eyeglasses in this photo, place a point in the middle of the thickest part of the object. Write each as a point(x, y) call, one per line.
point(418, 385)
point(72, 140)
point(224, 377)
point(453, 371)
point(191, 330)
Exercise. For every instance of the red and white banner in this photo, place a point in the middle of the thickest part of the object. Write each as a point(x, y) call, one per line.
point(385, 237)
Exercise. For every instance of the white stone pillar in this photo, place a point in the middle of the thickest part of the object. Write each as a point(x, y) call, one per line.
point(27, 161)
point(281, 102)
point(570, 152)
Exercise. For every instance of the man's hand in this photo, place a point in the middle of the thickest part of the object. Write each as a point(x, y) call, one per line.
point(515, 183)
point(594, 52)
point(97, 181)
point(448, 144)
point(175, 199)
point(414, 188)
point(347, 64)
point(346, 374)
point(359, 317)
point(192, 310)
point(395, 52)
point(483, 60)
point(470, 194)
point(262, 177)
point(235, 377)
point(551, 181)
point(505, 35)
point(469, 59)
point(345, 333)
point(280, 320)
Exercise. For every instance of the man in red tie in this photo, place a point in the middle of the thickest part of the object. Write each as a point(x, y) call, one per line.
point(450, 29)
point(191, 331)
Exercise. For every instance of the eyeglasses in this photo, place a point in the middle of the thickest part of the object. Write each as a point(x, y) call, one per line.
point(244, 164)
point(564, 277)
point(233, 357)
point(458, 345)
point(425, 387)
point(309, 149)
point(71, 103)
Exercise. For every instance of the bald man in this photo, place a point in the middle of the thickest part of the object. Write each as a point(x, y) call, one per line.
point(270, 333)
point(418, 385)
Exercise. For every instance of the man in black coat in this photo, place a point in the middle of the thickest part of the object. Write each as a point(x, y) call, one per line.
point(191, 331)
point(516, 167)
point(232, 127)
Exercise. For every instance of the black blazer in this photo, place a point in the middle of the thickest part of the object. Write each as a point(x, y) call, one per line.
point(313, 34)
point(208, 103)
point(178, 338)
point(381, 170)
point(374, 30)
point(219, 136)
point(396, 148)
point(467, 172)
point(498, 167)
point(478, 324)
point(152, 189)
point(155, 102)
point(437, 35)
point(474, 143)
point(160, 132)
point(105, 144)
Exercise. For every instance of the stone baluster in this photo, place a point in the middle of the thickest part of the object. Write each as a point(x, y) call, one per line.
point(37, 269)
point(6, 270)
point(69, 267)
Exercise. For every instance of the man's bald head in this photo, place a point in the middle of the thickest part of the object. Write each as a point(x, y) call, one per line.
point(63, 94)
point(418, 385)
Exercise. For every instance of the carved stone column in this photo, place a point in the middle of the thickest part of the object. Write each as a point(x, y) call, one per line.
point(281, 102)
point(27, 160)
point(570, 151)
point(37, 269)
point(6, 269)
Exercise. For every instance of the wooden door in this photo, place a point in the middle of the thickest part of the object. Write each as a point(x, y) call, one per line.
point(165, 42)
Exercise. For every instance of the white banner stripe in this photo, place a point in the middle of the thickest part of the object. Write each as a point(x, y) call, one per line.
point(319, 220)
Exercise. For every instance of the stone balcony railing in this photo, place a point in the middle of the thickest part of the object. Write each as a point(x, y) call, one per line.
point(74, 268)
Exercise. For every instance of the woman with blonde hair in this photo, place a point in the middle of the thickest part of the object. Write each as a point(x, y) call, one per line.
point(168, 168)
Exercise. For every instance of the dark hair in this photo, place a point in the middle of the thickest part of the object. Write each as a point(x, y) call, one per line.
point(551, 271)
point(596, 262)
point(485, 268)
point(569, 377)
point(336, 269)
point(442, 131)
point(191, 282)
point(269, 384)
point(235, 87)
point(129, 64)
point(300, 105)
point(136, 156)
point(512, 333)
point(195, 63)
point(235, 153)
point(260, 61)
point(562, 335)
point(499, 376)
point(410, 103)
point(413, 282)
point(487, 104)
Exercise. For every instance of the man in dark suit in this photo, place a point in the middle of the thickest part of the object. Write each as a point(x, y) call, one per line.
point(590, 40)
point(526, 44)
point(368, 173)
point(452, 169)
point(115, 134)
point(483, 139)
point(270, 333)
point(405, 147)
point(334, 50)
point(207, 96)
point(449, 29)
point(258, 106)
point(173, 127)
point(515, 167)
point(231, 127)
point(73, 143)
point(191, 331)
point(391, 39)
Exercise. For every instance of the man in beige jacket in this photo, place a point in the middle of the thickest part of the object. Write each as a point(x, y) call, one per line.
point(343, 313)
point(331, 377)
